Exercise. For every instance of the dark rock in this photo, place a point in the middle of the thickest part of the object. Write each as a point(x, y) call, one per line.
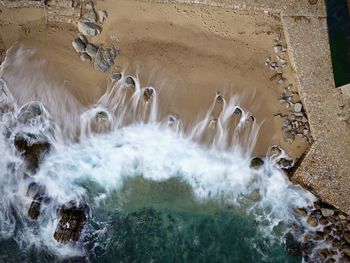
point(327, 229)
point(147, 94)
point(130, 81)
point(323, 221)
point(284, 163)
point(31, 149)
point(220, 99)
point(91, 50)
point(78, 45)
point(88, 28)
point(105, 58)
point(116, 76)
point(237, 111)
point(256, 163)
point(292, 245)
point(71, 223)
point(318, 235)
point(35, 206)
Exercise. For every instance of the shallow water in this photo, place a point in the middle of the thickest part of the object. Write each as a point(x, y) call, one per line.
point(155, 193)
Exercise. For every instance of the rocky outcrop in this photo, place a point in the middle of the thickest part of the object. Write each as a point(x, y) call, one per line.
point(72, 222)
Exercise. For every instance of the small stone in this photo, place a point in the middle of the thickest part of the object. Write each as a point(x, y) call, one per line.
point(304, 119)
point(237, 111)
point(327, 212)
point(129, 81)
point(275, 150)
point(278, 48)
point(91, 50)
point(83, 39)
point(298, 107)
point(147, 94)
point(312, 221)
point(324, 221)
point(256, 163)
point(105, 58)
point(91, 16)
point(342, 217)
point(88, 28)
point(85, 57)
point(306, 132)
point(116, 76)
point(102, 16)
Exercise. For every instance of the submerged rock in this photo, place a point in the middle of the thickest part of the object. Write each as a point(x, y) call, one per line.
point(256, 163)
point(30, 111)
point(312, 221)
point(147, 94)
point(130, 81)
point(71, 223)
point(284, 163)
point(88, 28)
point(116, 76)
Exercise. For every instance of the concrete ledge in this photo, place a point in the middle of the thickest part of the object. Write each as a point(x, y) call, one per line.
point(284, 7)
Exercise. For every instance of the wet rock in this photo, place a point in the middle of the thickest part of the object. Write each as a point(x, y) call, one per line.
point(237, 111)
point(220, 99)
point(298, 107)
point(327, 212)
point(102, 117)
point(275, 150)
point(91, 50)
point(88, 28)
point(105, 58)
point(30, 111)
point(31, 149)
point(78, 45)
point(130, 81)
point(346, 236)
point(256, 163)
point(147, 94)
point(71, 223)
point(255, 196)
point(301, 212)
point(102, 16)
point(323, 221)
point(312, 221)
point(278, 48)
point(34, 209)
point(284, 163)
point(85, 57)
point(116, 76)
point(293, 246)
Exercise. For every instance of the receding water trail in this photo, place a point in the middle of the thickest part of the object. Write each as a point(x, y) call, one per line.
point(137, 188)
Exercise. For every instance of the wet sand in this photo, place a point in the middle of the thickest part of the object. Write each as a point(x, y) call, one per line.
point(187, 53)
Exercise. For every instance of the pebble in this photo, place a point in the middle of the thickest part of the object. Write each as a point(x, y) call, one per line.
point(256, 163)
point(297, 107)
point(88, 28)
point(116, 76)
point(301, 212)
point(91, 50)
point(306, 132)
point(78, 45)
point(278, 48)
point(85, 57)
point(102, 16)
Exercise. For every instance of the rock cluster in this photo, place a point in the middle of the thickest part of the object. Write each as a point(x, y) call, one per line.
point(90, 25)
point(328, 239)
point(295, 122)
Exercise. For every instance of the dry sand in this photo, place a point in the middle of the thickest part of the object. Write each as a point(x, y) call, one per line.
point(188, 53)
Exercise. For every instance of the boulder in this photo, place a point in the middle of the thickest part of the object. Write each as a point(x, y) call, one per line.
point(346, 236)
point(298, 107)
point(130, 81)
point(147, 94)
point(301, 212)
point(85, 57)
point(90, 15)
point(88, 28)
point(312, 221)
point(116, 76)
point(284, 163)
point(72, 221)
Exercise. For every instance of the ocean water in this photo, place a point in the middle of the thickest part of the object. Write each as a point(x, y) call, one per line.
point(155, 193)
